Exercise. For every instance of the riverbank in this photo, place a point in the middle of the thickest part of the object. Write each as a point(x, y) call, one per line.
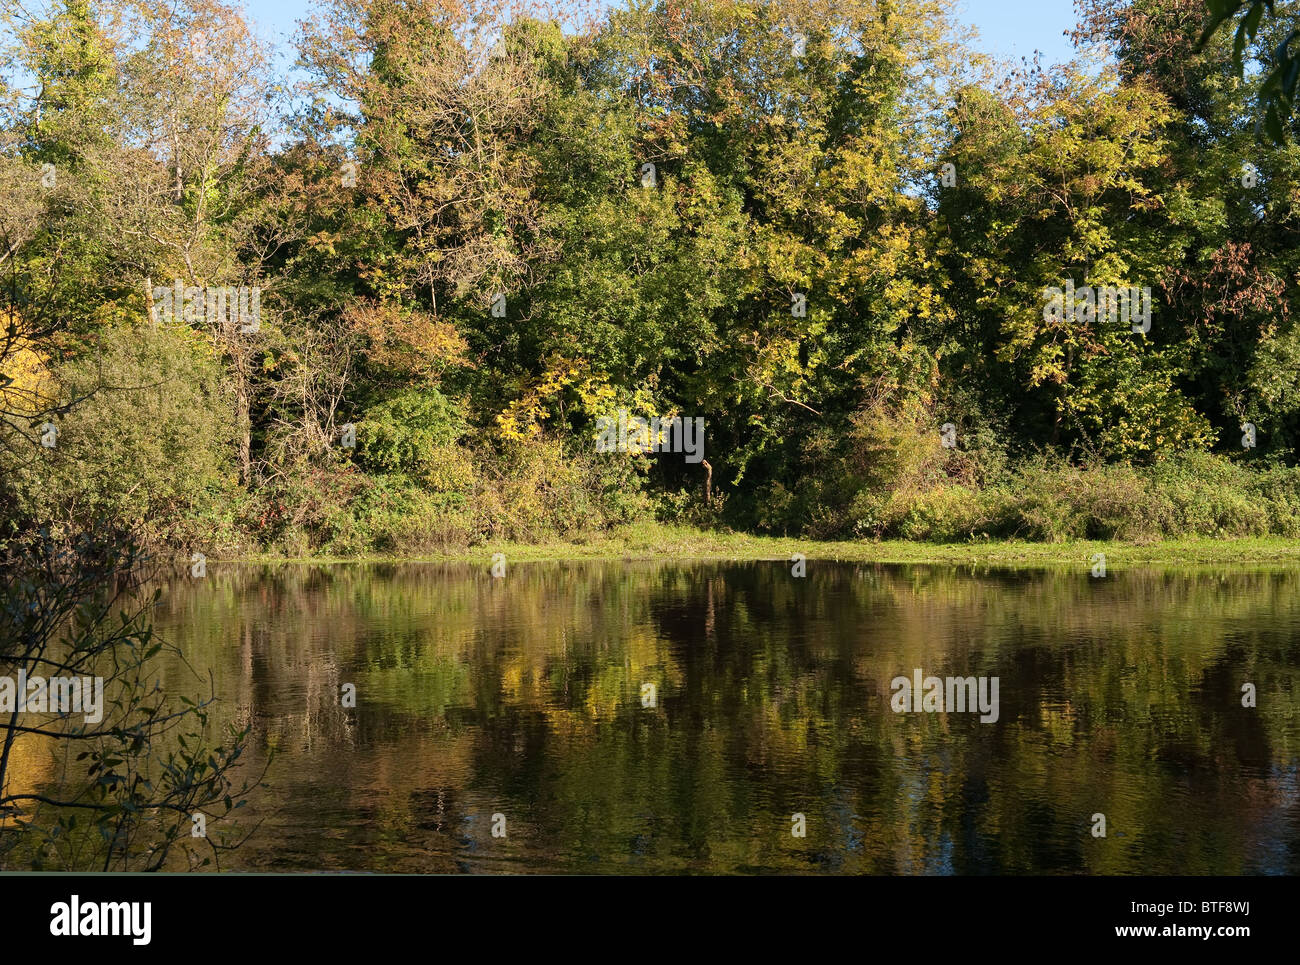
point(685, 543)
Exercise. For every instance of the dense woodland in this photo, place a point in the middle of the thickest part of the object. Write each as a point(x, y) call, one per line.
point(826, 228)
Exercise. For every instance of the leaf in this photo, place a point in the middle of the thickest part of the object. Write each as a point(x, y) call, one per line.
point(1251, 22)
point(1220, 10)
point(1273, 124)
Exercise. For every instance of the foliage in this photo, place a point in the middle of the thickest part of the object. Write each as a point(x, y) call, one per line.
point(129, 779)
point(477, 232)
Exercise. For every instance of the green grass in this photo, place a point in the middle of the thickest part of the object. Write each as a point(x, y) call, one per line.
point(652, 542)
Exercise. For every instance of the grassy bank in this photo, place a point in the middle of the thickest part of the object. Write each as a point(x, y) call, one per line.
point(646, 542)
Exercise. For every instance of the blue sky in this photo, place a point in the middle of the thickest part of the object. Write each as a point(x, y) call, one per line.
point(1010, 28)
point(1016, 28)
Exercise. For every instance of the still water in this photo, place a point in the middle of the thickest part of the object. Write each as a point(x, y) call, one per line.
point(526, 698)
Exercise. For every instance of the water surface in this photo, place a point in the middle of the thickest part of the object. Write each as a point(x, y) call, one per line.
point(524, 697)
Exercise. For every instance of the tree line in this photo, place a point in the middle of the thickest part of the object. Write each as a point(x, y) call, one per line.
point(474, 230)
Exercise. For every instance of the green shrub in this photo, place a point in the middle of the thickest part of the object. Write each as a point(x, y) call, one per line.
point(395, 514)
point(406, 433)
point(943, 514)
point(151, 448)
point(1045, 498)
point(544, 489)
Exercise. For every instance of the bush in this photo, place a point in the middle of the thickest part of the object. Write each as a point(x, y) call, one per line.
point(1048, 499)
point(394, 514)
point(944, 513)
point(405, 433)
point(543, 488)
point(151, 450)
